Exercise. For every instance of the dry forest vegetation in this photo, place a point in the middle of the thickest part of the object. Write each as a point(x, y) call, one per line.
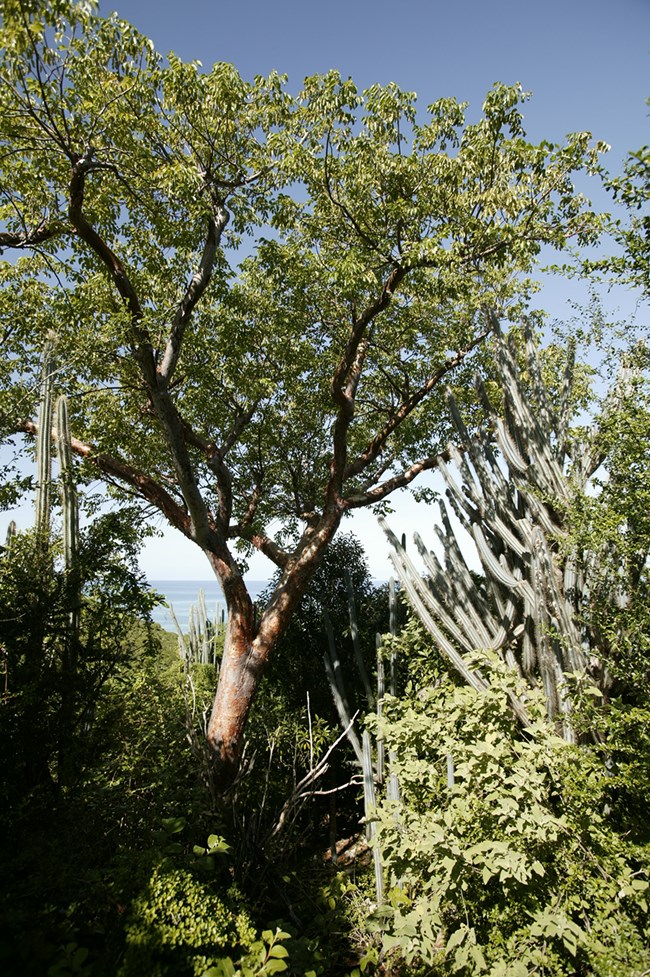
point(235, 307)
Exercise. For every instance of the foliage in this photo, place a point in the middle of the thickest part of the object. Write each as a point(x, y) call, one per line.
point(91, 874)
point(35, 607)
point(177, 927)
point(73, 862)
point(258, 296)
point(114, 873)
point(513, 866)
point(610, 527)
point(632, 189)
point(512, 852)
point(297, 664)
point(65, 823)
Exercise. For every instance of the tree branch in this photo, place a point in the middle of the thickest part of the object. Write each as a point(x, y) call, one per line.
point(267, 546)
point(359, 327)
point(148, 488)
point(27, 239)
point(408, 406)
point(373, 245)
point(346, 380)
point(359, 499)
point(109, 259)
point(217, 222)
point(157, 386)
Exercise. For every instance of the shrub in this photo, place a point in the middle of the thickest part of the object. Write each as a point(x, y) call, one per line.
point(179, 927)
point(508, 865)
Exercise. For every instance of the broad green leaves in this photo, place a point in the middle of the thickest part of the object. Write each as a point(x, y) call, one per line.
point(292, 213)
point(514, 865)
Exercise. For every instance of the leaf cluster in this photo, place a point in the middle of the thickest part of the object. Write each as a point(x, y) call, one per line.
point(251, 245)
point(500, 855)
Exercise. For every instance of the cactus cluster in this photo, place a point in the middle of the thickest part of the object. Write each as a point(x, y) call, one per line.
point(510, 487)
point(201, 644)
point(370, 759)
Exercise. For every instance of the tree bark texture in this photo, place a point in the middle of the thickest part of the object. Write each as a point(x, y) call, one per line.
point(248, 648)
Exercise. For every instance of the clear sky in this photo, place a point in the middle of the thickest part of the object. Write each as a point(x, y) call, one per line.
point(587, 63)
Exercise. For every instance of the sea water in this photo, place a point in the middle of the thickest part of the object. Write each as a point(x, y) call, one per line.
point(182, 594)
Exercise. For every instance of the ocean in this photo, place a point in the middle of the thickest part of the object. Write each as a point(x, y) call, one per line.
point(182, 594)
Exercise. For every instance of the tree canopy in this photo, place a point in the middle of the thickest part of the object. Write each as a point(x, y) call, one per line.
point(257, 296)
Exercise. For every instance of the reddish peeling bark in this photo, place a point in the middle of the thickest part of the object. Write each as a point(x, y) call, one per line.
point(242, 667)
point(248, 649)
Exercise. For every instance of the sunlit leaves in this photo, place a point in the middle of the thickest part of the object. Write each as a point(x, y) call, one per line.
point(327, 194)
point(514, 862)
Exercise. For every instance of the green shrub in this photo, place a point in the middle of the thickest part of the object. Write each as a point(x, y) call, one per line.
point(510, 866)
point(179, 927)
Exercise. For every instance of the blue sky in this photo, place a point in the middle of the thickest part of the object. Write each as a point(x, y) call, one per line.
point(587, 63)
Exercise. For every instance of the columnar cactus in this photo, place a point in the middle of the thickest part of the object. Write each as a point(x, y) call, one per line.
point(370, 806)
point(356, 643)
point(44, 444)
point(69, 506)
point(11, 532)
point(509, 487)
point(199, 645)
point(337, 688)
point(373, 772)
point(70, 513)
point(69, 648)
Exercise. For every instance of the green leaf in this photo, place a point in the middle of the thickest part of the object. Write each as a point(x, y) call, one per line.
point(173, 826)
point(456, 938)
point(217, 844)
point(225, 968)
point(278, 951)
point(274, 966)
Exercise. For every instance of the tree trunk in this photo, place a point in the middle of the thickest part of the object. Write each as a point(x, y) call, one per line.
point(246, 654)
point(248, 648)
point(241, 671)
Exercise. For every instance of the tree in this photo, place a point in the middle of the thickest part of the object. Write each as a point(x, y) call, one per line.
point(297, 667)
point(632, 189)
point(258, 297)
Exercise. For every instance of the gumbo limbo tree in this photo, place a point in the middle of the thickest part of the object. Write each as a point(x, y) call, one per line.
point(257, 297)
